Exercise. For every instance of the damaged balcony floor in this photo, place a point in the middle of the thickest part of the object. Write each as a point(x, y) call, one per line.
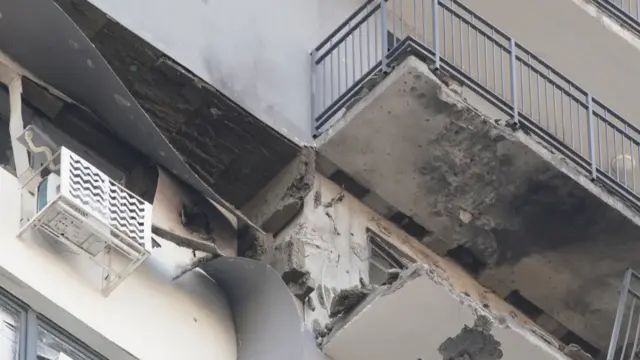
point(399, 322)
point(530, 221)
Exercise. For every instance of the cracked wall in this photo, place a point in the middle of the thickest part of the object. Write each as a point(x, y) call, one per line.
point(330, 237)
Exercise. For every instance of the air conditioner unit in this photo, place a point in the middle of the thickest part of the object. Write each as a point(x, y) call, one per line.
point(78, 205)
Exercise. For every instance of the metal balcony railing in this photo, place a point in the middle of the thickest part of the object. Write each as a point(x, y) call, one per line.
point(624, 343)
point(626, 12)
point(451, 38)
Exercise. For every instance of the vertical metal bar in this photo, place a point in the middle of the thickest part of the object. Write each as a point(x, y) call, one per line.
point(436, 27)
point(31, 341)
point(486, 64)
point(339, 65)
point(401, 22)
point(453, 37)
point(331, 78)
point(555, 118)
point(530, 86)
point(633, 170)
point(620, 310)
point(514, 86)
point(461, 43)
point(635, 340)
point(424, 20)
point(592, 149)
point(22, 335)
point(624, 158)
point(362, 71)
point(626, 335)
point(539, 103)
point(312, 105)
point(353, 57)
point(493, 61)
point(415, 19)
point(469, 47)
point(384, 30)
point(571, 117)
point(395, 16)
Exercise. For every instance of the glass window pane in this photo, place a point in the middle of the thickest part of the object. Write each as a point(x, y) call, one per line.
point(9, 321)
point(51, 347)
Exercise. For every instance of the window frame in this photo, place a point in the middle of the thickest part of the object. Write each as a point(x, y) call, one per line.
point(29, 322)
point(379, 247)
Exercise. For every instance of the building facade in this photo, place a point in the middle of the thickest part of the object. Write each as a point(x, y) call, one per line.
point(328, 180)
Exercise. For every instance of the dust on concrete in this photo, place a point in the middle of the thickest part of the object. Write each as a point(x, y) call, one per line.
point(347, 299)
point(472, 343)
point(303, 183)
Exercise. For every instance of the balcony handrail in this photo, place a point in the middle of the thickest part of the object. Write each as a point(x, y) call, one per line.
point(624, 343)
point(452, 38)
point(627, 12)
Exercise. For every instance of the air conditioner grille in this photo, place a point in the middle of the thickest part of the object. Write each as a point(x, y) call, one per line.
point(120, 209)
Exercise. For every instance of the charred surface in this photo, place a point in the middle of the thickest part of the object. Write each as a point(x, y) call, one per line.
point(228, 148)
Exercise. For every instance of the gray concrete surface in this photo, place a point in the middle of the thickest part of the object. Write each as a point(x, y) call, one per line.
point(470, 180)
point(423, 319)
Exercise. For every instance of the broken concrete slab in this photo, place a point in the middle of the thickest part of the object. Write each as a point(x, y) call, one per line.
point(422, 317)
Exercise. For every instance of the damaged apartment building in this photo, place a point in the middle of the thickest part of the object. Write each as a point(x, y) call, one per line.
point(319, 180)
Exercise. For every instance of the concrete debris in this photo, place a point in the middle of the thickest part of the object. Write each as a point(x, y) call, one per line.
point(303, 183)
point(300, 283)
point(317, 199)
point(347, 299)
point(335, 200)
point(311, 304)
point(318, 330)
point(472, 343)
point(253, 244)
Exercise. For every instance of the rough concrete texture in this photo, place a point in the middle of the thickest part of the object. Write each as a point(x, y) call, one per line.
point(278, 202)
point(526, 214)
point(472, 343)
point(422, 316)
point(326, 232)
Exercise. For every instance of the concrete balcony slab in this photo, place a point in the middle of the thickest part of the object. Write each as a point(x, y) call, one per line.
point(454, 164)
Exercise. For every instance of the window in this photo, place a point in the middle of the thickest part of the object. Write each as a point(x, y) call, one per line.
point(9, 321)
point(27, 335)
point(381, 259)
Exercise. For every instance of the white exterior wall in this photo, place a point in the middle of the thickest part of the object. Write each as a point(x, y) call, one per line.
point(254, 51)
point(148, 315)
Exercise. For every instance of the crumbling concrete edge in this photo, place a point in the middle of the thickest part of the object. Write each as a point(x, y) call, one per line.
point(289, 188)
point(415, 271)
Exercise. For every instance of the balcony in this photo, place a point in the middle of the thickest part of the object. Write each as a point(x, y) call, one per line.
point(478, 147)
